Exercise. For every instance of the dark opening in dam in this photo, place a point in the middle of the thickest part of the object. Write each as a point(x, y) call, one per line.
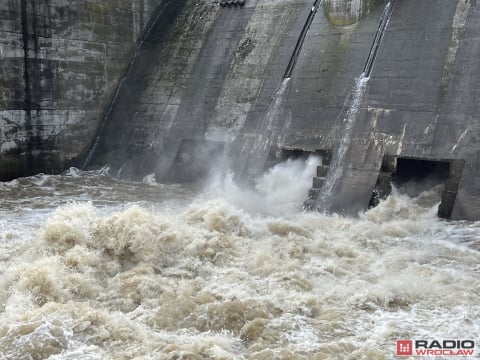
point(293, 153)
point(414, 176)
point(419, 172)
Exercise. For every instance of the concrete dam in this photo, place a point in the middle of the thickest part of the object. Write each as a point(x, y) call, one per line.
point(382, 91)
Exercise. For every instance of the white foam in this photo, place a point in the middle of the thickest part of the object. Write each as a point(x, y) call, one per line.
point(280, 191)
point(150, 180)
point(237, 274)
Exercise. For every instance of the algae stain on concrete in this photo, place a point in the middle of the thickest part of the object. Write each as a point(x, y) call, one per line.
point(348, 12)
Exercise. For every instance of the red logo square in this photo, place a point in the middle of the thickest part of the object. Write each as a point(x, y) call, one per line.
point(404, 347)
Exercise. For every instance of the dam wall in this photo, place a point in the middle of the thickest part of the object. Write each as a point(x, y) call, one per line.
point(421, 104)
point(245, 86)
point(216, 75)
point(60, 64)
point(208, 79)
point(273, 77)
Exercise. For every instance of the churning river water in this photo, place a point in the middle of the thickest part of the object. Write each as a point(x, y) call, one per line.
point(96, 268)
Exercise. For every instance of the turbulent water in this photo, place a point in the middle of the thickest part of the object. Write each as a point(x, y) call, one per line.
point(94, 268)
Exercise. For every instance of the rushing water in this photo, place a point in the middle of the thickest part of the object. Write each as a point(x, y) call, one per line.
point(94, 268)
point(351, 107)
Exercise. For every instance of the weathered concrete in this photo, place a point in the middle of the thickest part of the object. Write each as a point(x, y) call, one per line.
point(348, 12)
point(221, 88)
point(421, 102)
point(61, 62)
point(218, 67)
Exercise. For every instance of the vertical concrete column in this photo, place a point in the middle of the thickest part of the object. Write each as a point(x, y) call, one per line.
point(347, 12)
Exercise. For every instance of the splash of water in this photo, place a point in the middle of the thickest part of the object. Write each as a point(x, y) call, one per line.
point(280, 190)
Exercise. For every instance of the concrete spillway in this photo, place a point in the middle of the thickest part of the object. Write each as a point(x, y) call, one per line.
point(227, 81)
point(206, 78)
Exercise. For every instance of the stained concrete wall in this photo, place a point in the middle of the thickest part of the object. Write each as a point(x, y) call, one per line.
point(421, 101)
point(216, 67)
point(347, 12)
point(60, 63)
point(330, 60)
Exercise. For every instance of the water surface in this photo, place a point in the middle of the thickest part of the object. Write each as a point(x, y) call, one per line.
point(95, 268)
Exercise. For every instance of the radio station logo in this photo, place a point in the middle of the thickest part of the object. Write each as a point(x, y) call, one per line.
point(435, 347)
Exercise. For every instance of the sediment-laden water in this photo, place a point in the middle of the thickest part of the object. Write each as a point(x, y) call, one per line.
point(94, 268)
